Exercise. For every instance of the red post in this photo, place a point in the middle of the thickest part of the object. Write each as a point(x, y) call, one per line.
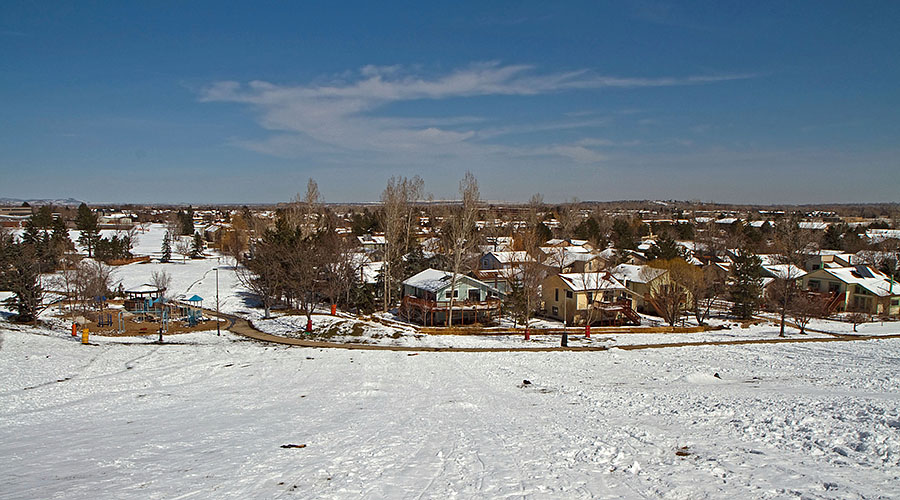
point(74, 329)
point(527, 334)
point(587, 331)
point(334, 309)
point(309, 326)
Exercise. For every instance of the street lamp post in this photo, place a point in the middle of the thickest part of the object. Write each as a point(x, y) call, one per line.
point(218, 328)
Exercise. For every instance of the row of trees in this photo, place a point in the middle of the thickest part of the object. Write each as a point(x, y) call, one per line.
point(301, 260)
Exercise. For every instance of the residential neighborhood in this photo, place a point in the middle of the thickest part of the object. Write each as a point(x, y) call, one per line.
point(580, 250)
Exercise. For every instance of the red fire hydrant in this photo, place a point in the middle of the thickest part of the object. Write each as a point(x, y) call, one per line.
point(587, 331)
point(309, 326)
point(334, 309)
point(74, 329)
point(527, 334)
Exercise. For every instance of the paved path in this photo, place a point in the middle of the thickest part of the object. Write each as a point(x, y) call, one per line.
point(243, 327)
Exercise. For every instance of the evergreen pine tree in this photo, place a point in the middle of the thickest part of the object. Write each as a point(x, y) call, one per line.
point(86, 222)
point(166, 248)
point(197, 248)
point(747, 287)
point(665, 248)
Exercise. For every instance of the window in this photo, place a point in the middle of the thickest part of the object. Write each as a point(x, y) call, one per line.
point(590, 297)
point(455, 294)
point(474, 294)
point(813, 285)
point(557, 295)
point(447, 294)
point(895, 302)
point(555, 311)
point(834, 287)
point(568, 294)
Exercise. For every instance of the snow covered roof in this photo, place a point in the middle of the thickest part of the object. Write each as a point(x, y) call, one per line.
point(581, 282)
point(434, 280)
point(870, 279)
point(566, 258)
point(512, 257)
point(145, 288)
point(368, 239)
point(821, 226)
point(882, 234)
point(784, 271)
point(637, 274)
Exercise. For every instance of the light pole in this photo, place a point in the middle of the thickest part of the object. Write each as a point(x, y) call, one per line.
point(218, 328)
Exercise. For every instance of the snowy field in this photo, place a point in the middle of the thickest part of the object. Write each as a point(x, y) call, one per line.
point(206, 416)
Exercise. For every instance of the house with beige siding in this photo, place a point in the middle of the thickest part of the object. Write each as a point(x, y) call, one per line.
point(858, 288)
point(581, 298)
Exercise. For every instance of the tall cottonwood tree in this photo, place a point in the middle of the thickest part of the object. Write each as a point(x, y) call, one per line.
point(398, 218)
point(460, 232)
point(525, 279)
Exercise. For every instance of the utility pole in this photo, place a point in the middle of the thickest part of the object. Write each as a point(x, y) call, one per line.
point(218, 328)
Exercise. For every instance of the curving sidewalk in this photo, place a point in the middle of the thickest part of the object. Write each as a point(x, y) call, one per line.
point(242, 327)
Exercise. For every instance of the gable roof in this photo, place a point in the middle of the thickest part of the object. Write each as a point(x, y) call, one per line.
point(582, 282)
point(866, 277)
point(783, 271)
point(434, 280)
point(516, 257)
point(635, 273)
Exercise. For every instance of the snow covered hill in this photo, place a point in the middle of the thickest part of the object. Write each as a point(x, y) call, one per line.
point(206, 417)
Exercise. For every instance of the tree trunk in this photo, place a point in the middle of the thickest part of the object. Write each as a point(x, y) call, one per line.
point(450, 308)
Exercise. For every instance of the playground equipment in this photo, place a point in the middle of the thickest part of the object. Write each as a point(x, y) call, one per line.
point(194, 310)
point(121, 326)
point(104, 319)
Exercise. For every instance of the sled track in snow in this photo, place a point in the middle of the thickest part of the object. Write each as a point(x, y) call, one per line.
point(243, 327)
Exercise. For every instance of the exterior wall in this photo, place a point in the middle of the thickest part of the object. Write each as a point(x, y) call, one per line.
point(570, 309)
point(855, 297)
point(488, 261)
point(463, 285)
point(557, 305)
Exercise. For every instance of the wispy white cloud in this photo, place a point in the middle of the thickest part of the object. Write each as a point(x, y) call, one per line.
point(343, 114)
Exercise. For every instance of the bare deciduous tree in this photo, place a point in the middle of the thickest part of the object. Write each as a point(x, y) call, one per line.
point(792, 246)
point(526, 277)
point(162, 280)
point(460, 231)
point(183, 247)
point(398, 219)
point(704, 288)
point(669, 295)
point(805, 307)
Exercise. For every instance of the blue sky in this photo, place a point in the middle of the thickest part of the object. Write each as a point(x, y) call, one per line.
point(766, 102)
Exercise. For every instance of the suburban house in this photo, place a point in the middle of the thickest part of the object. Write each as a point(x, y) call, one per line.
point(115, 221)
point(571, 259)
point(858, 288)
point(426, 299)
point(830, 259)
point(503, 260)
point(640, 281)
point(372, 243)
point(582, 298)
point(772, 272)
